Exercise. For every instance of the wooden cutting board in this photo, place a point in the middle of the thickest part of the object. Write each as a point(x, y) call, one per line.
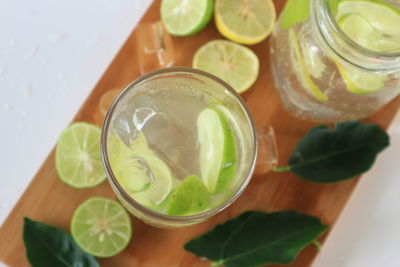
point(49, 200)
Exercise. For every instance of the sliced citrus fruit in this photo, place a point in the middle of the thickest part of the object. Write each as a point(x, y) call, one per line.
point(217, 150)
point(245, 21)
point(235, 64)
point(142, 174)
point(301, 71)
point(190, 197)
point(361, 82)
point(186, 17)
point(78, 156)
point(374, 25)
point(101, 227)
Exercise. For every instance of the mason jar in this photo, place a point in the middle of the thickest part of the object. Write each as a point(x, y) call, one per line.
point(321, 74)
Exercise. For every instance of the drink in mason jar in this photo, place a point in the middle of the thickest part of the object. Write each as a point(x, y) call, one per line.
point(178, 143)
point(339, 60)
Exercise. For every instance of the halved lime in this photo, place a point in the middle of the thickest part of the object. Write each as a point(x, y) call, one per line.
point(235, 64)
point(101, 227)
point(245, 21)
point(374, 25)
point(78, 157)
point(190, 197)
point(301, 71)
point(186, 17)
point(142, 174)
point(217, 150)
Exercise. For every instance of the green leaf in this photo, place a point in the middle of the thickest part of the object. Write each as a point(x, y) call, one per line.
point(48, 246)
point(295, 11)
point(328, 156)
point(258, 238)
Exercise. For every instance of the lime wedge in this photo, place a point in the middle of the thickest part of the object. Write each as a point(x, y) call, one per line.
point(186, 17)
point(301, 70)
point(217, 150)
point(374, 25)
point(190, 197)
point(78, 157)
point(101, 227)
point(142, 174)
point(233, 63)
point(361, 82)
point(245, 21)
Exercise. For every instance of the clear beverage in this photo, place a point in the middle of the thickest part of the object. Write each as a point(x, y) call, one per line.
point(151, 136)
point(323, 75)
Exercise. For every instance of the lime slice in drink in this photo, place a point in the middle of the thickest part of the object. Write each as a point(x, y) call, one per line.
point(101, 227)
point(186, 17)
point(78, 157)
point(142, 174)
point(374, 25)
point(233, 63)
point(245, 21)
point(217, 150)
point(190, 197)
point(301, 70)
point(361, 82)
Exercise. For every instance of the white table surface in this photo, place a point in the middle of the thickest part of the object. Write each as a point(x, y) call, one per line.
point(52, 53)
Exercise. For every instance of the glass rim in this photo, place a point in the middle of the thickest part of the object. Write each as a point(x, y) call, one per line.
point(136, 205)
point(320, 11)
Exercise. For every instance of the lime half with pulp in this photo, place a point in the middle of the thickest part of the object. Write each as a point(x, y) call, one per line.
point(245, 21)
point(217, 150)
point(235, 64)
point(186, 17)
point(101, 227)
point(78, 156)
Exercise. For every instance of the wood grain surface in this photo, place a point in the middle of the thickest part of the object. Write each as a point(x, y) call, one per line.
point(49, 200)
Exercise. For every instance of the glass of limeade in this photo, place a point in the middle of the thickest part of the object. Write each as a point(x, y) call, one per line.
point(178, 145)
point(337, 60)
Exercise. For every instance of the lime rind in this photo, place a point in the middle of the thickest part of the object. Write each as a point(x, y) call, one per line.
point(235, 64)
point(78, 156)
point(101, 227)
point(190, 197)
point(360, 82)
point(183, 18)
point(217, 150)
point(301, 71)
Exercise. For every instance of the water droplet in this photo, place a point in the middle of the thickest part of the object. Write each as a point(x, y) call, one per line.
point(31, 53)
point(23, 113)
point(27, 90)
point(49, 96)
point(11, 43)
point(3, 69)
point(60, 76)
point(57, 37)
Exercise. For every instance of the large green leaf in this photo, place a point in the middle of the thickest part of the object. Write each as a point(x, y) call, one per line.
point(257, 238)
point(47, 246)
point(328, 156)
